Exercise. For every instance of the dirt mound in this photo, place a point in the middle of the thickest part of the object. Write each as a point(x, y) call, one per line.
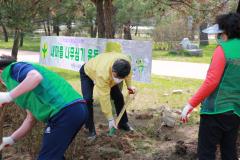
point(106, 147)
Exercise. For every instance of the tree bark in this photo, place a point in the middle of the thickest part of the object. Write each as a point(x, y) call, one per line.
point(238, 8)
point(93, 30)
point(100, 19)
point(69, 28)
point(203, 37)
point(108, 12)
point(56, 29)
point(127, 31)
point(48, 28)
point(5, 33)
point(192, 34)
point(45, 28)
point(21, 38)
point(136, 31)
point(16, 43)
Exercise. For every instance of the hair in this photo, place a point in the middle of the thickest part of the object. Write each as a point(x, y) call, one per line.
point(121, 67)
point(230, 24)
point(6, 60)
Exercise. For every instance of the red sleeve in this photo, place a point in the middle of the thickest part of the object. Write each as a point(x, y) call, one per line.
point(213, 77)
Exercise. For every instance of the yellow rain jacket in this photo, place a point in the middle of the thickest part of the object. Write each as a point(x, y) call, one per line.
point(99, 69)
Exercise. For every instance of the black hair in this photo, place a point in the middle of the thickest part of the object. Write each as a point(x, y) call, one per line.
point(6, 60)
point(230, 24)
point(121, 67)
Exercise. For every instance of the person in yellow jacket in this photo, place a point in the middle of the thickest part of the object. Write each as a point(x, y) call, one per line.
point(105, 72)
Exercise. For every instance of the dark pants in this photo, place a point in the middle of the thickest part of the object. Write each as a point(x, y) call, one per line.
point(61, 130)
point(87, 91)
point(217, 129)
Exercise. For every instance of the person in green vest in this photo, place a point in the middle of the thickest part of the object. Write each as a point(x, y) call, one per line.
point(46, 97)
point(220, 93)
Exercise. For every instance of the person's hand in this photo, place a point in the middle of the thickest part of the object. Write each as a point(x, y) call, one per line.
point(131, 90)
point(6, 141)
point(111, 123)
point(185, 112)
point(5, 97)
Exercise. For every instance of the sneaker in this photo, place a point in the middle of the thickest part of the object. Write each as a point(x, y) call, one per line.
point(125, 127)
point(92, 135)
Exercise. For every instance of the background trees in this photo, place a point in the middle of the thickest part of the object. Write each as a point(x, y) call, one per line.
point(172, 20)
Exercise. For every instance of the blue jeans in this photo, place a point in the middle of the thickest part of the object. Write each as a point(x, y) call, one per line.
point(61, 130)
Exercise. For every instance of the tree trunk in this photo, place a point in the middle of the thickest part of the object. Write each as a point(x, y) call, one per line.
point(16, 43)
point(136, 31)
point(238, 8)
point(93, 30)
point(114, 20)
point(21, 38)
point(56, 29)
point(192, 34)
point(48, 28)
point(127, 31)
point(100, 19)
point(4, 32)
point(108, 12)
point(45, 29)
point(69, 28)
point(203, 37)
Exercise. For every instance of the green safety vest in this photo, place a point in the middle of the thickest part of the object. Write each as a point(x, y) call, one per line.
point(48, 98)
point(226, 96)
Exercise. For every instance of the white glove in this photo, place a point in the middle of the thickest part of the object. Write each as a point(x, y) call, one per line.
point(111, 123)
point(5, 97)
point(6, 141)
point(185, 112)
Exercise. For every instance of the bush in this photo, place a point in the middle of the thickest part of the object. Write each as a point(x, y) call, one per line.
point(171, 33)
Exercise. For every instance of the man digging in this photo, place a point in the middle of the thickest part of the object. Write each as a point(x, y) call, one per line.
point(105, 72)
point(46, 97)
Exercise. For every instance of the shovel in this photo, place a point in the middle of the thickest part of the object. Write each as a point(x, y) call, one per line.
point(127, 102)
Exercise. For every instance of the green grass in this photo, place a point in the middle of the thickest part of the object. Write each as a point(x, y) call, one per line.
point(206, 58)
point(29, 44)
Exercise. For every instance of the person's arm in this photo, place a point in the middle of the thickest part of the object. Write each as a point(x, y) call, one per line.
point(25, 128)
point(28, 78)
point(213, 78)
point(32, 79)
point(211, 82)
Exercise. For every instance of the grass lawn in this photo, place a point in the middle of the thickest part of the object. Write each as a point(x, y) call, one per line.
point(150, 95)
point(29, 44)
point(33, 44)
point(206, 58)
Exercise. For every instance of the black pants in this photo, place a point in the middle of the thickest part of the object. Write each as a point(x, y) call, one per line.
point(217, 129)
point(87, 91)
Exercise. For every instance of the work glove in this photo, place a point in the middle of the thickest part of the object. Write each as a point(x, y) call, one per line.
point(131, 90)
point(185, 112)
point(6, 141)
point(5, 97)
point(111, 123)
